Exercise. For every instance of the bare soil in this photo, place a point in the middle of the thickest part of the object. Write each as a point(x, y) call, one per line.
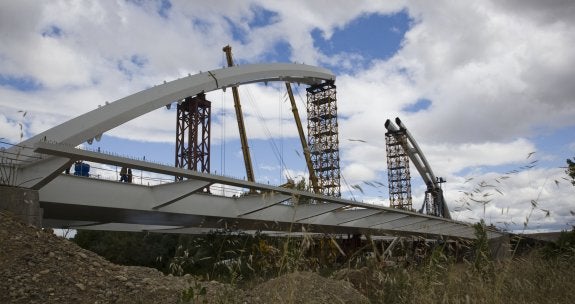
point(37, 266)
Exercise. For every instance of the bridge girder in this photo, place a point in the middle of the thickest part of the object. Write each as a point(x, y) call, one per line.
point(80, 202)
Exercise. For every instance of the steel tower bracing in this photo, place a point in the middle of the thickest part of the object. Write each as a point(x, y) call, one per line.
point(193, 134)
point(398, 175)
point(434, 202)
point(323, 136)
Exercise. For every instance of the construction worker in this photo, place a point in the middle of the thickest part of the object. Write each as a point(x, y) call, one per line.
point(124, 175)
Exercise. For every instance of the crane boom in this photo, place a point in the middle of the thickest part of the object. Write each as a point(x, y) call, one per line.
point(240, 118)
point(434, 200)
point(306, 152)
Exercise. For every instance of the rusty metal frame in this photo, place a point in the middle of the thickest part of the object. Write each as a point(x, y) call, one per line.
point(193, 134)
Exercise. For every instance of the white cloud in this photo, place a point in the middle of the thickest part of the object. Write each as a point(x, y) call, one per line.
point(509, 200)
point(492, 74)
point(450, 159)
point(9, 130)
point(358, 172)
point(296, 175)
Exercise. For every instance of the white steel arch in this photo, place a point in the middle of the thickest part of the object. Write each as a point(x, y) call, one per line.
point(34, 173)
point(94, 123)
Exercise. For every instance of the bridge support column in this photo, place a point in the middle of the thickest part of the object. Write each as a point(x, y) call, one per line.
point(500, 248)
point(323, 136)
point(398, 176)
point(193, 134)
point(23, 203)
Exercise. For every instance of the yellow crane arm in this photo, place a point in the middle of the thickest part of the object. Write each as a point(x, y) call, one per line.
point(306, 152)
point(240, 118)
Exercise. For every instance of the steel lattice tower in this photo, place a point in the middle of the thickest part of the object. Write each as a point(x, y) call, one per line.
point(193, 134)
point(323, 136)
point(398, 175)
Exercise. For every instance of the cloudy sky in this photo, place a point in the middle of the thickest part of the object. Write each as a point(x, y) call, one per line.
point(481, 85)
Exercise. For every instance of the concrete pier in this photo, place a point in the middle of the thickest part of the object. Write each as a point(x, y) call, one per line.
point(23, 203)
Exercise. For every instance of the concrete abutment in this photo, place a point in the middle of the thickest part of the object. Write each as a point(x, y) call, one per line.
point(23, 203)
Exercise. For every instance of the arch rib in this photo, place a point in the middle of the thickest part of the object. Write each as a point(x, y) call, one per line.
point(94, 123)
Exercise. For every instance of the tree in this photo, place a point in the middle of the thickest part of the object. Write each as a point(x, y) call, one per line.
point(571, 169)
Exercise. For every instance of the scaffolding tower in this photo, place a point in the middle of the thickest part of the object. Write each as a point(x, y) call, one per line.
point(193, 134)
point(398, 175)
point(323, 137)
point(434, 202)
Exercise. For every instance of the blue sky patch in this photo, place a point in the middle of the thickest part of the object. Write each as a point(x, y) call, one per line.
point(381, 41)
point(152, 151)
point(262, 17)
point(52, 31)
point(136, 2)
point(138, 60)
point(238, 34)
point(164, 7)
point(125, 70)
point(554, 143)
point(201, 24)
point(420, 105)
point(128, 66)
point(24, 84)
point(281, 52)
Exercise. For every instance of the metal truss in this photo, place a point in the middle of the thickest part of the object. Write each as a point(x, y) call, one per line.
point(434, 202)
point(323, 138)
point(193, 134)
point(398, 176)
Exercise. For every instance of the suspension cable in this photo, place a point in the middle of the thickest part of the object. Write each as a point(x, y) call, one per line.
point(280, 122)
point(268, 133)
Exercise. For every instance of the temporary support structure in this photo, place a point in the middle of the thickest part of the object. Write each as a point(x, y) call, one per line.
point(434, 202)
point(398, 175)
point(323, 136)
point(193, 134)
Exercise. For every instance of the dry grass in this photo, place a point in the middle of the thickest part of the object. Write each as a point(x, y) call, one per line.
point(531, 279)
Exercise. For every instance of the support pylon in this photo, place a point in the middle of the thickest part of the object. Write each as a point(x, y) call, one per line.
point(398, 175)
point(323, 136)
point(193, 134)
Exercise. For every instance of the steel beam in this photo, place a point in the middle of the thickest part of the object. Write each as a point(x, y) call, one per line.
point(72, 198)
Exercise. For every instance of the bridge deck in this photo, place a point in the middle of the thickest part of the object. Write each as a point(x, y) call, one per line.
point(76, 202)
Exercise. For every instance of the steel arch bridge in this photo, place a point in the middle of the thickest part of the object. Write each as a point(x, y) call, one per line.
point(182, 207)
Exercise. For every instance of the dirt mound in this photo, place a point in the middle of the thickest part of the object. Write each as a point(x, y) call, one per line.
point(39, 267)
point(305, 287)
